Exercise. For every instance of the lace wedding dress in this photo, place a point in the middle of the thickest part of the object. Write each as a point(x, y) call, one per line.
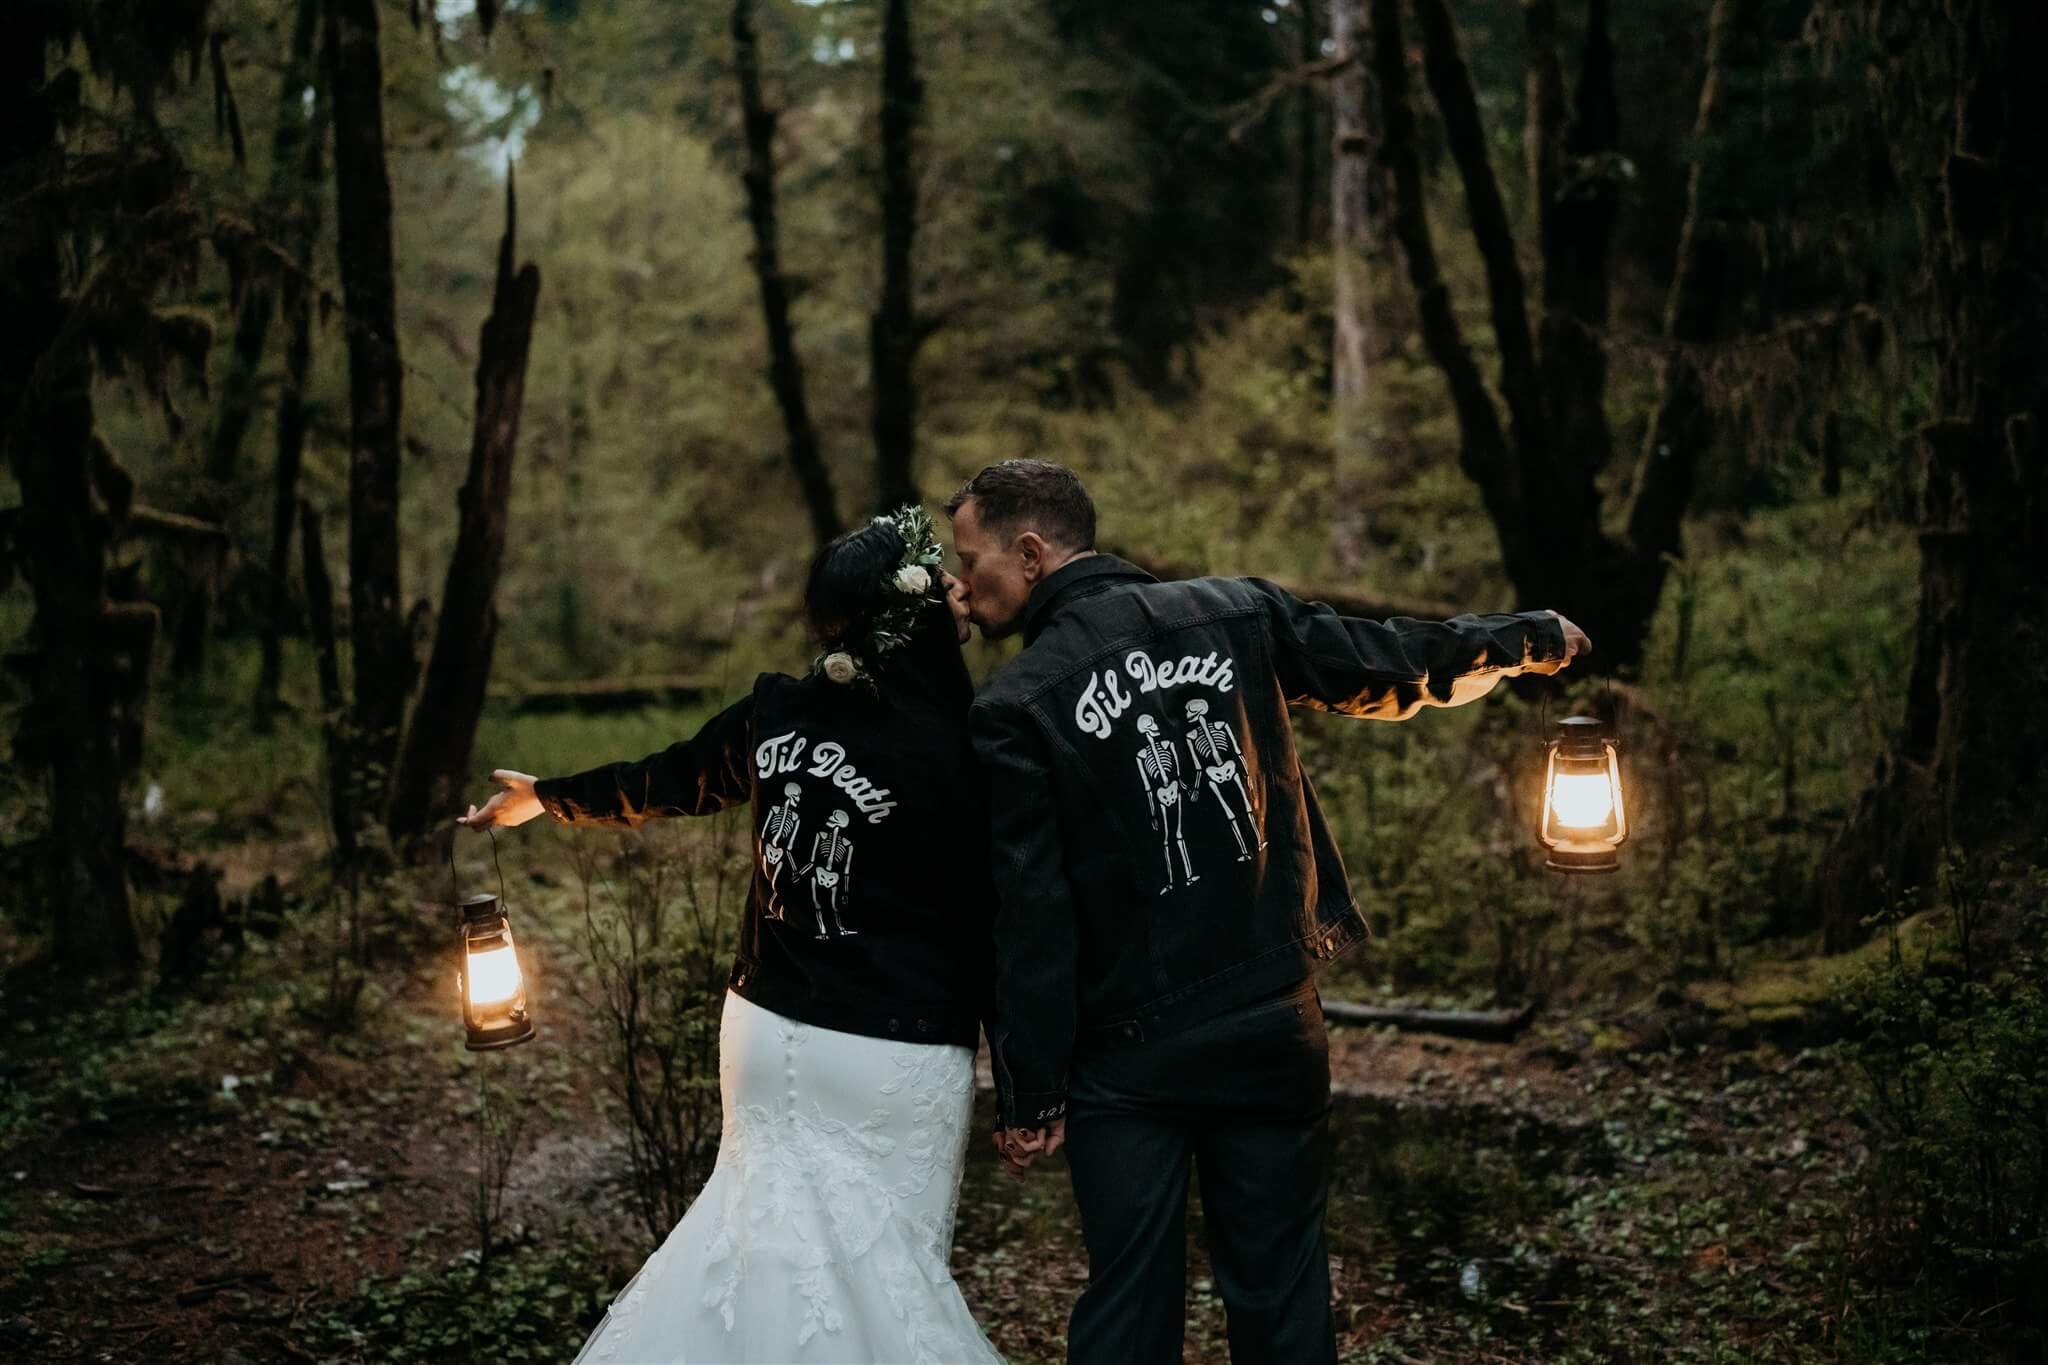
point(823, 1233)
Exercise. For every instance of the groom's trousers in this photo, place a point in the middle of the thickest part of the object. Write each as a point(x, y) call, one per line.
point(1245, 1097)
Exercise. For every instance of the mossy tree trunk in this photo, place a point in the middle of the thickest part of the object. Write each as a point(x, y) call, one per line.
point(87, 660)
point(1966, 768)
point(384, 665)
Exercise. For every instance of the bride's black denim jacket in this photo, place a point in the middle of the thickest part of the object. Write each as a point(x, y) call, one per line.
point(1159, 854)
point(870, 905)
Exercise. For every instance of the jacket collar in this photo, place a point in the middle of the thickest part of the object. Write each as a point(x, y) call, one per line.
point(1076, 579)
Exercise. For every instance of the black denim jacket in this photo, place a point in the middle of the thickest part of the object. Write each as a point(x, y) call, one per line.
point(869, 911)
point(1159, 854)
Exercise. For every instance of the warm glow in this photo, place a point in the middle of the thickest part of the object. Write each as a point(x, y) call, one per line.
point(493, 976)
point(1581, 800)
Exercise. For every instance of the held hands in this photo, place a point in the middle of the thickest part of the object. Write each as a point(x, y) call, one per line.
point(513, 804)
point(1022, 1146)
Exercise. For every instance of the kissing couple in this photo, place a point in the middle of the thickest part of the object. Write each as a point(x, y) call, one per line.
point(1110, 860)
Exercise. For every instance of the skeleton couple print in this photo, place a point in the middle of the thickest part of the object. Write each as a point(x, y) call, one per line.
point(1183, 753)
point(806, 854)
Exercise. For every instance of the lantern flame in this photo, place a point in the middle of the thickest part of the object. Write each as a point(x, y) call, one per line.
point(1581, 800)
point(493, 976)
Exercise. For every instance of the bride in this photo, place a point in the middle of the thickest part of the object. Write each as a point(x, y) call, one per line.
point(846, 1053)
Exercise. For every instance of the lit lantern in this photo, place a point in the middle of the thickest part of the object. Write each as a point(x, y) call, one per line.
point(489, 982)
point(1584, 821)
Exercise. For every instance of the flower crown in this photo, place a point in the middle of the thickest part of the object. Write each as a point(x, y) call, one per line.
point(907, 590)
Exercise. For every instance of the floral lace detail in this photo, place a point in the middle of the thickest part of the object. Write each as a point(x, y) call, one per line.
point(828, 1204)
point(795, 1156)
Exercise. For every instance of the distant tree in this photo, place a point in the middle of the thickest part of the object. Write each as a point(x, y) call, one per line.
point(1355, 252)
point(254, 267)
point(95, 215)
point(383, 662)
point(1538, 470)
point(785, 370)
point(894, 331)
point(301, 230)
point(1214, 211)
point(1966, 767)
point(442, 731)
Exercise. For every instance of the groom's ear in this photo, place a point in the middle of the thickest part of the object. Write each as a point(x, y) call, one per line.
point(1032, 553)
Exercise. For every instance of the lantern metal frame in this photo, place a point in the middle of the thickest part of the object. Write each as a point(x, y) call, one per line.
point(484, 922)
point(1582, 747)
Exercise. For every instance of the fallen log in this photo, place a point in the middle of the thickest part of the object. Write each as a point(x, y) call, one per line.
point(604, 694)
point(1487, 1026)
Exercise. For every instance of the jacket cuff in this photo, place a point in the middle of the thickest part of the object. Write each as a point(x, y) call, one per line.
point(1030, 1108)
point(553, 802)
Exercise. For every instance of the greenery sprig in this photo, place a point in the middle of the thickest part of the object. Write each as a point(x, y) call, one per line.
point(910, 586)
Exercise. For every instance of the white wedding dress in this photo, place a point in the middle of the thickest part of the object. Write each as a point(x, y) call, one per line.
point(824, 1231)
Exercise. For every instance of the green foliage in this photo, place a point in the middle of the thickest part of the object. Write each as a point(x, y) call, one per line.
point(534, 1304)
point(1955, 1069)
point(659, 925)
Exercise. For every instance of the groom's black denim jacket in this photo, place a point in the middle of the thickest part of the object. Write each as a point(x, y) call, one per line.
point(1159, 854)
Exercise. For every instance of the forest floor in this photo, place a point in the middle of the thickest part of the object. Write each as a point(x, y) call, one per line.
point(219, 1177)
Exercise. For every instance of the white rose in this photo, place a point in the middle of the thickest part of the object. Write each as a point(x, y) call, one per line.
point(914, 579)
point(839, 667)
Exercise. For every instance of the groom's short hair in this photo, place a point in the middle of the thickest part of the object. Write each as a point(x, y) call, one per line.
point(1031, 495)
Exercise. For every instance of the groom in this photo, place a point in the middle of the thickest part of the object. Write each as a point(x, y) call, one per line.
point(1155, 1001)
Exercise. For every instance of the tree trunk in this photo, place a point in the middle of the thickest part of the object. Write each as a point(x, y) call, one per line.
point(893, 335)
point(72, 724)
point(1694, 313)
point(1573, 177)
point(785, 372)
point(443, 730)
point(1450, 85)
point(1967, 767)
point(384, 665)
point(194, 621)
point(295, 302)
point(1307, 50)
point(1539, 477)
point(1483, 451)
point(252, 319)
point(1350, 286)
point(334, 726)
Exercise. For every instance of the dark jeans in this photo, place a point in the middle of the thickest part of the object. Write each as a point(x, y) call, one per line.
point(1247, 1096)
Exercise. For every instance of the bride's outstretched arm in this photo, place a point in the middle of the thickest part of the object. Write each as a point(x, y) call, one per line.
point(709, 771)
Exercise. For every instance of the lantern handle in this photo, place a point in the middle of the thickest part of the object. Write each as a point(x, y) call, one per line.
point(455, 883)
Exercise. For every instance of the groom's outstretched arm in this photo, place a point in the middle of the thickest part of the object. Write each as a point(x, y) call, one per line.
point(697, 776)
point(1031, 1036)
point(1388, 670)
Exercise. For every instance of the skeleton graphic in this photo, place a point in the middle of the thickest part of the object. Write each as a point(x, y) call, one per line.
point(1213, 747)
point(778, 844)
point(1159, 770)
point(831, 871)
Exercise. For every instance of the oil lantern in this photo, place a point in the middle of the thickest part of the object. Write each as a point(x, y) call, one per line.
point(1584, 820)
point(492, 988)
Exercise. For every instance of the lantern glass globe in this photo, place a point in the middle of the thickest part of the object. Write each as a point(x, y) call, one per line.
point(1582, 800)
point(493, 975)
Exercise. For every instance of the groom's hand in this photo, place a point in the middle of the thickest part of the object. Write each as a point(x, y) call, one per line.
point(1020, 1147)
point(1576, 641)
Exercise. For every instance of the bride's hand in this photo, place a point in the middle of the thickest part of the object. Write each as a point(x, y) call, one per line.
point(513, 804)
point(956, 602)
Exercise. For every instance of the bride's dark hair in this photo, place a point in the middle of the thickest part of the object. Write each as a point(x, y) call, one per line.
point(849, 582)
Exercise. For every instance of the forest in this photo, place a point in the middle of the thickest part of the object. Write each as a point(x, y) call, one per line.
point(392, 391)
